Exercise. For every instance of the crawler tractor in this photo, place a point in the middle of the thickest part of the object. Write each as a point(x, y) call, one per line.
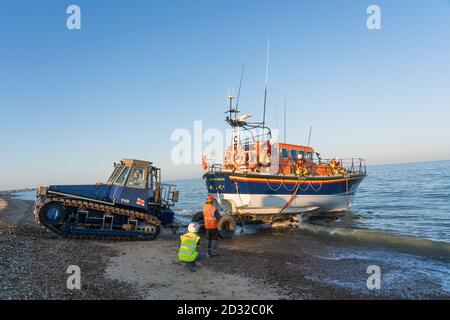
point(132, 205)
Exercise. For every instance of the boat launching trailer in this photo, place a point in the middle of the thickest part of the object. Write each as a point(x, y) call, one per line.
point(228, 222)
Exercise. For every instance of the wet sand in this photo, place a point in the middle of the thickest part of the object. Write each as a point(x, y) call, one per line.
point(275, 264)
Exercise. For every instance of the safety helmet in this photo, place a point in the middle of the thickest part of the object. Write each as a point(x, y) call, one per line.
point(193, 227)
point(209, 199)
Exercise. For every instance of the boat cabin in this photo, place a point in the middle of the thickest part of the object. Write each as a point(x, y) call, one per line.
point(290, 154)
point(258, 156)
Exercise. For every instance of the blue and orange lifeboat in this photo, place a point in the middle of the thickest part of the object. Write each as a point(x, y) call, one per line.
point(261, 178)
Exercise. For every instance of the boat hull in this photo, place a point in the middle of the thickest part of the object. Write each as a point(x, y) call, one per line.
point(259, 194)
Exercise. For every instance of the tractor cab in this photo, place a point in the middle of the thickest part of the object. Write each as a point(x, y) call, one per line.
point(137, 183)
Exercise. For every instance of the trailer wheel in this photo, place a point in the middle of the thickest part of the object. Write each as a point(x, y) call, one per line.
point(198, 217)
point(226, 226)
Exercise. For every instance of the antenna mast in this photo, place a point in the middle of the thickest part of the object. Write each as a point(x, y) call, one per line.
point(309, 136)
point(240, 86)
point(276, 117)
point(267, 75)
point(284, 118)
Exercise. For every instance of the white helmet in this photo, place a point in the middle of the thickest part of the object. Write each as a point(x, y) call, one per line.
point(193, 227)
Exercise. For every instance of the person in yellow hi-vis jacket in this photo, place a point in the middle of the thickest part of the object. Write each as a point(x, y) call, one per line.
point(188, 249)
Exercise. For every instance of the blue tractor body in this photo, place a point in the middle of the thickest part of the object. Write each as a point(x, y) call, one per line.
point(131, 203)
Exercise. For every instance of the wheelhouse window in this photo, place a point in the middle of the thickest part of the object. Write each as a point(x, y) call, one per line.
point(136, 178)
point(309, 156)
point(121, 179)
point(294, 154)
point(301, 154)
point(284, 153)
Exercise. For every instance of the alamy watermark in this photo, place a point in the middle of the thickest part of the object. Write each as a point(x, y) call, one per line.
point(192, 145)
point(74, 280)
point(374, 280)
point(374, 20)
point(73, 21)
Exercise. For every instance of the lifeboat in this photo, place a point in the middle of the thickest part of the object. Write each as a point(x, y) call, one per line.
point(261, 179)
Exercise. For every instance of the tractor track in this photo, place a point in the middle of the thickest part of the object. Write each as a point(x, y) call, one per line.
point(73, 203)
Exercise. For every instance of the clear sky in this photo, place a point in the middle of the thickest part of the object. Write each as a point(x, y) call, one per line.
point(74, 101)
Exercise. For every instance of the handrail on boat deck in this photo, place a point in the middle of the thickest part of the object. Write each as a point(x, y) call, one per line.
point(350, 166)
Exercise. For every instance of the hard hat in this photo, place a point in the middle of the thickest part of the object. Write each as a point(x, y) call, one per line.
point(193, 227)
point(210, 198)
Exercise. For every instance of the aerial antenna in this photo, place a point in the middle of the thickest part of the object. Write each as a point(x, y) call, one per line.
point(240, 86)
point(267, 75)
point(284, 118)
point(276, 117)
point(309, 136)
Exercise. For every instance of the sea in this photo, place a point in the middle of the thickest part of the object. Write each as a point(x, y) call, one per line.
point(401, 211)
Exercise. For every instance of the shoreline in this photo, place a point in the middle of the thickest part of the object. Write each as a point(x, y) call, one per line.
point(273, 264)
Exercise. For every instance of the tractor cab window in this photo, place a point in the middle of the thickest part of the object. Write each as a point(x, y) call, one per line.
point(294, 154)
point(121, 179)
point(150, 191)
point(151, 184)
point(115, 174)
point(284, 153)
point(136, 178)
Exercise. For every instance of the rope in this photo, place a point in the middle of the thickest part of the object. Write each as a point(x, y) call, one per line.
point(318, 189)
point(270, 187)
point(282, 181)
point(288, 203)
point(307, 186)
point(219, 201)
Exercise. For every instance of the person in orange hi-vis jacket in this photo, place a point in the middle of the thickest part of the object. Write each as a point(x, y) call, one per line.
point(211, 217)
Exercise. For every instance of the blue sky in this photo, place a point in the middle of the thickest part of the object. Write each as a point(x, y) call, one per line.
point(74, 101)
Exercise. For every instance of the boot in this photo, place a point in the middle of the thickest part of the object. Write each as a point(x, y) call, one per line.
point(192, 266)
point(208, 246)
point(214, 244)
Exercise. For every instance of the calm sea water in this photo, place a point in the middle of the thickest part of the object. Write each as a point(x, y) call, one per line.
point(409, 199)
